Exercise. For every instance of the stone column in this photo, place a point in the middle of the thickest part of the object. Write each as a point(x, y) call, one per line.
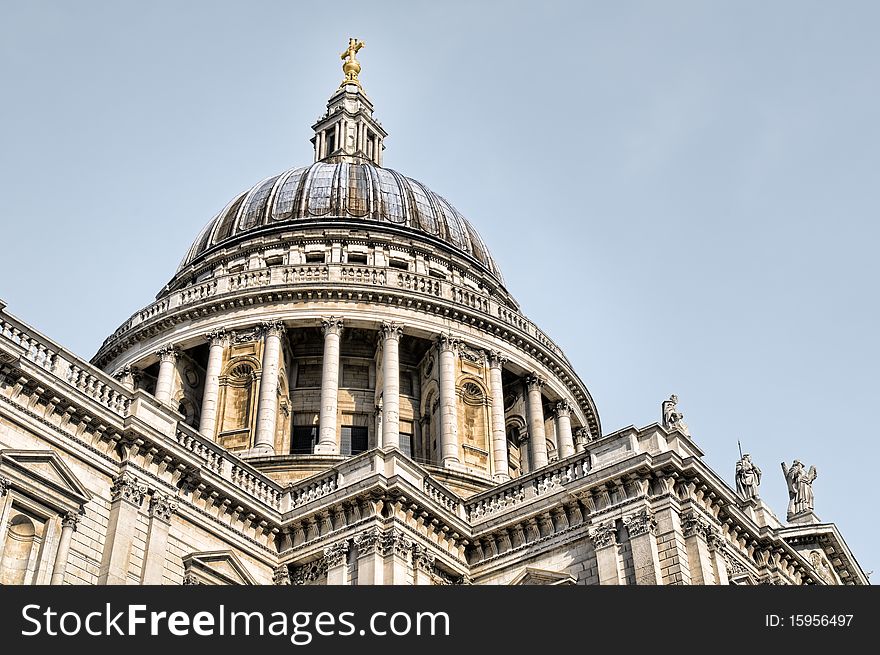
point(697, 532)
point(68, 527)
point(646, 560)
point(336, 557)
point(564, 438)
point(604, 538)
point(328, 443)
point(423, 565)
point(537, 435)
point(167, 364)
point(370, 565)
point(126, 495)
point(210, 396)
point(128, 377)
point(448, 401)
point(580, 441)
point(499, 435)
point(267, 407)
point(396, 550)
point(391, 333)
point(161, 509)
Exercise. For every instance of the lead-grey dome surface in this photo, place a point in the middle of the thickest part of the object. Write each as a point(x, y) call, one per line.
point(342, 191)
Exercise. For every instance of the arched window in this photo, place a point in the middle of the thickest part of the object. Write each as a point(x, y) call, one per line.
point(238, 388)
point(19, 544)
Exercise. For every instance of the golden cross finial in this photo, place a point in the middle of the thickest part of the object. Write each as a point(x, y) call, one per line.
point(351, 67)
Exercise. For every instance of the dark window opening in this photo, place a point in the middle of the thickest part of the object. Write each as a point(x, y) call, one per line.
point(330, 136)
point(277, 260)
point(399, 263)
point(357, 258)
point(406, 444)
point(315, 257)
point(435, 273)
point(303, 439)
point(354, 440)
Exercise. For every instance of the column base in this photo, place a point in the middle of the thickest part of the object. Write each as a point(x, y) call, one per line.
point(326, 449)
point(261, 450)
point(501, 477)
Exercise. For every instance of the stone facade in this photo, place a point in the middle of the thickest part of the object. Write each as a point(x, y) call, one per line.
point(337, 388)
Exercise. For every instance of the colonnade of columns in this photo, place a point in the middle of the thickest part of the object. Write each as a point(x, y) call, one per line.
point(389, 338)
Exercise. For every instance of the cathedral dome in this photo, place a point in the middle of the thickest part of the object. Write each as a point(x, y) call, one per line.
point(345, 192)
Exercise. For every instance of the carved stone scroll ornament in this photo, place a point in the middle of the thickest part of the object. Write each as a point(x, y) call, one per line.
point(641, 523)
point(4, 486)
point(336, 554)
point(162, 506)
point(281, 575)
point(603, 535)
point(129, 488)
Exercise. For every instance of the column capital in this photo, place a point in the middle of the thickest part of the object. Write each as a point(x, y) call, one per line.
point(496, 359)
point(423, 560)
point(281, 575)
point(332, 325)
point(640, 523)
point(603, 535)
point(367, 542)
point(162, 506)
point(218, 337)
point(562, 408)
point(533, 380)
point(127, 375)
point(447, 342)
point(272, 328)
point(70, 520)
point(336, 554)
point(169, 353)
point(127, 487)
point(391, 330)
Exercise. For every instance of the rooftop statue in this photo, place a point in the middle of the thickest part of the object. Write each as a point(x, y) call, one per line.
point(748, 477)
point(672, 418)
point(800, 488)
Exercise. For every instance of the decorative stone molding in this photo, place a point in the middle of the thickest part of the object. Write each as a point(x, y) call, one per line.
point(694, 524)
point(496, 359)
point(391, 330)
point(272, 328)
point(640, 523)
point(191, 579)
point(562, 408)
point(129, 488)
point(70, 520)
point(471, 355)
point(422, 559)
point(395, 542)
point(603, 535)
point(533, 380)
point(4, 486)
point(281, 575)
point(245, 336)
point(332, 325)
point(218, 337)
point(128, 376)
point(168, 354)
point(309, 572)
point(367, 542)
point(162, 506)
point(447, 342)
point(336, 554)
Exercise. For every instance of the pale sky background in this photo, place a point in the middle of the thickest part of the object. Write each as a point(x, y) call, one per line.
point(684, 195)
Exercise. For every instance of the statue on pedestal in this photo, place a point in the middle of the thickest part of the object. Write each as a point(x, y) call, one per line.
point(748, 477)
point(800, 488)
point(672, 418)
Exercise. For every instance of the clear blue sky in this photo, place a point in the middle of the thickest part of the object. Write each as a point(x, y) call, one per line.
point(683, 194)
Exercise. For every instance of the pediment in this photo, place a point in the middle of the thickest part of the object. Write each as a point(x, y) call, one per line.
point(44, 475)
point(220, 567)
point(534, 576)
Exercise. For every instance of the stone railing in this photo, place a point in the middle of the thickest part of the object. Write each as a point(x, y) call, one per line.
point(313, 489)
point(546, 480)
point(210, 455)
point(255, 484)
point(55, 360)
point(442, 498)
point(343, 274)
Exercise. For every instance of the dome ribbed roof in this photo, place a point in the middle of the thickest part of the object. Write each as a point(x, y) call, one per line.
point(344, 190)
